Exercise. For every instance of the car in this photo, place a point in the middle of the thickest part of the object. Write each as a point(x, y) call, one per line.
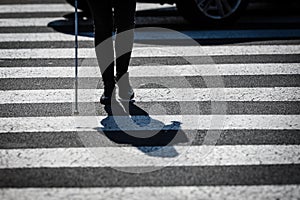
point(198, 11)
point(207, 11)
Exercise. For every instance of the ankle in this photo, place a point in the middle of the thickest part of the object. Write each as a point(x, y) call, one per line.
point(109, 89)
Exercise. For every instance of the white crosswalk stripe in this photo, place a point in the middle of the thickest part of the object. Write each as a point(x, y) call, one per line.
point(21, 8)
point(157, 71)
point(200, 166)
point(157, 95)
point(59, 7)
point(154, 51)
point(42, 37)
point(189, 122)
point(168, 193)
point(26, 22)
point(19, 22)
point(190, 156)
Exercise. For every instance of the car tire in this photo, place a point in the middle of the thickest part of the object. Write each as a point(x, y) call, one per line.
point(196, 11)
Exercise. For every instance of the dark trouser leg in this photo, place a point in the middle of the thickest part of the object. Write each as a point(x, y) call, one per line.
point(103, 26)
point(125, 21)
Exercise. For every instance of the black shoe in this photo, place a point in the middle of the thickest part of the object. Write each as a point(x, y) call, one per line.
point(105, 100)
point(108, 95)
point(125, 90)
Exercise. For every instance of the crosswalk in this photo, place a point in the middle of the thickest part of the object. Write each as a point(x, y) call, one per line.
point(209, 122)
point(165, 52)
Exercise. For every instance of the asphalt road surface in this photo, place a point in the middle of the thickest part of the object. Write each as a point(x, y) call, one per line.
point(216, 112)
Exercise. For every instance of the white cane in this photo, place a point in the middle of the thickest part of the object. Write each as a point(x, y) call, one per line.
point(76, 58)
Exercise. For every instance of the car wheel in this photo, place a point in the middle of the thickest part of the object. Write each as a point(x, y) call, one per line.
point(211, 11)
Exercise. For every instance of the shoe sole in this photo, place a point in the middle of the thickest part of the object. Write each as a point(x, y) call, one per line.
point(107, 101)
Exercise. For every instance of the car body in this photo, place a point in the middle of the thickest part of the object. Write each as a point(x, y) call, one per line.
point(199, 11)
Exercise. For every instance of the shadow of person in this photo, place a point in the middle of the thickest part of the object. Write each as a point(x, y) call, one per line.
point(67, 24)
point(128, 124)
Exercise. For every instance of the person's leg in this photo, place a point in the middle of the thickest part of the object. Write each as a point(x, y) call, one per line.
point(125, 21)
point(103, 28)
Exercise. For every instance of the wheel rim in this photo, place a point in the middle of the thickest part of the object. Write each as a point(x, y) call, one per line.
point(218, 9)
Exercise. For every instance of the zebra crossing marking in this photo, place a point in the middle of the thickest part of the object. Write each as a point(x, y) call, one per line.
point(155, 94)
point(228, 155)
point(154, 51)
point(36, 8)
point(158, 71)
point(221, 155)
point(154, 122)
point(182, 35)
point(250, 192)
